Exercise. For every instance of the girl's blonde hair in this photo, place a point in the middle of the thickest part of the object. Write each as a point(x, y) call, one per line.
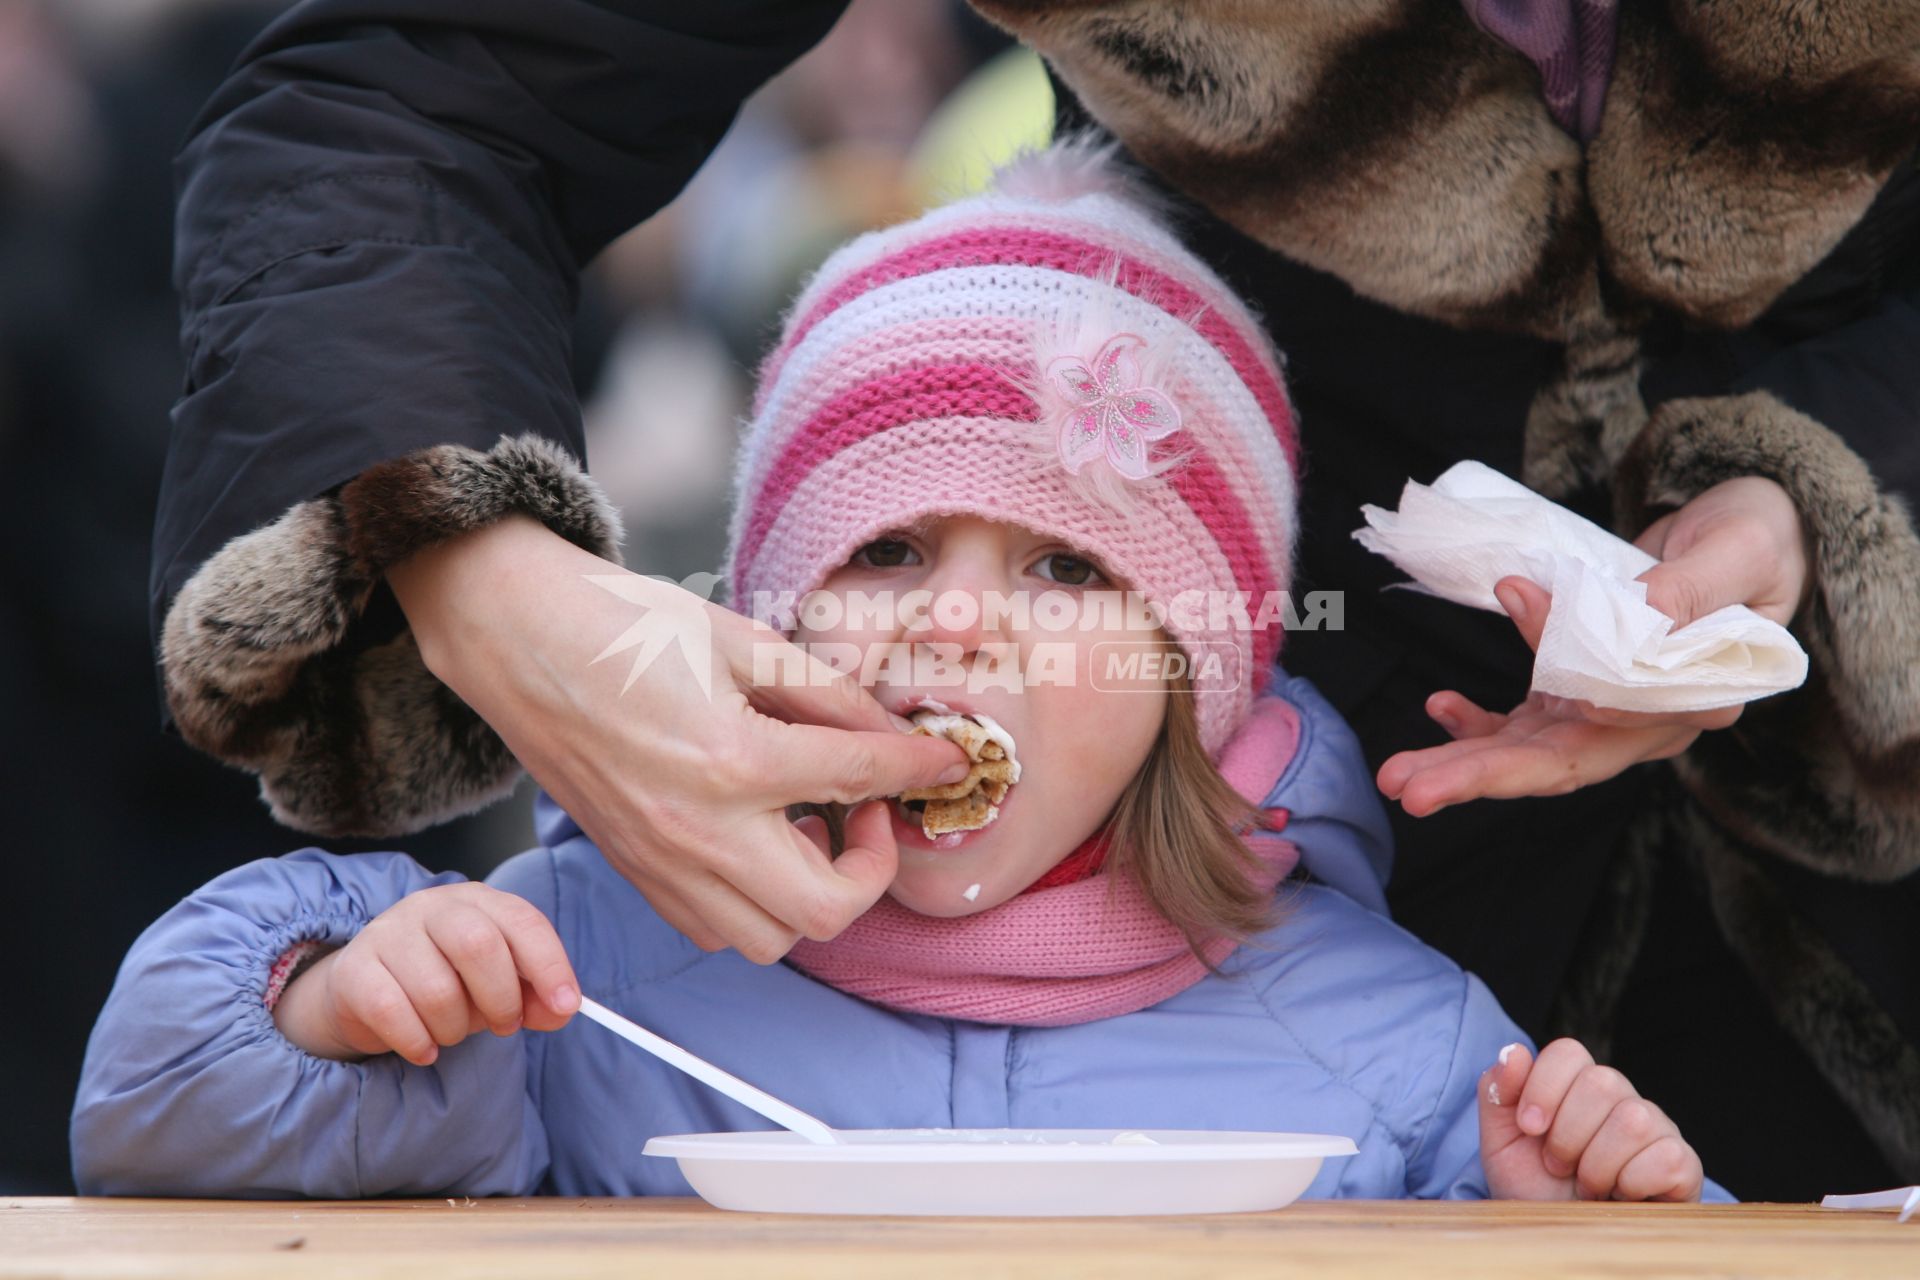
point(1179, 831)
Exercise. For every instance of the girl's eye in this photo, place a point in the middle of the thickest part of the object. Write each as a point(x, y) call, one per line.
point(884, 553)
point(1068, 571)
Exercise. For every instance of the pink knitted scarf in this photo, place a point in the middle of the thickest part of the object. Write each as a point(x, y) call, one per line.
point(1075, 952)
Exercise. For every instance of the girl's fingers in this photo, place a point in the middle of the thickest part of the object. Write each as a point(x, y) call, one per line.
point(1553, 1073)
point(472, 943)
point(1596, 1094)
point(1500, 1088)
point(430, 982)
point(536, 956)
point(1507, 1077)
point(1633, 1125)
point(1667, 1169)
point(375, 998)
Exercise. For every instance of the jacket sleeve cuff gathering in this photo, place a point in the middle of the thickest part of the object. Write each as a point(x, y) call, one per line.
point(1822, 775)
point(190, 1089)
point(271, 661)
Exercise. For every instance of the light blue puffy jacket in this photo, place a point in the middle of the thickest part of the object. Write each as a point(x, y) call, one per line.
point(1342, 1023)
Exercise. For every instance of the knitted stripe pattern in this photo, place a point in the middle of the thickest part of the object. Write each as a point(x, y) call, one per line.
point(910, 382)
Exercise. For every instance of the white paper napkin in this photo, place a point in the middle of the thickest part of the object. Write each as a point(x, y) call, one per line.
point(1603, 642)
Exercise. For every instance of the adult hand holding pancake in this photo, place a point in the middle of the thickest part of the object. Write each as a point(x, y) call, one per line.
point(684, 792)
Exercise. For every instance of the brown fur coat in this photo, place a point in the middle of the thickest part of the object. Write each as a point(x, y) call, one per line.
point(1394, 145)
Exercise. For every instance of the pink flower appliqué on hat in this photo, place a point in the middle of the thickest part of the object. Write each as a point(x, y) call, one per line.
point(1112, 415)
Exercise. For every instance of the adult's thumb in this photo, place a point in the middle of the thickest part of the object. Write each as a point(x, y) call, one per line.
point(1711, 574)
point(1678, 594)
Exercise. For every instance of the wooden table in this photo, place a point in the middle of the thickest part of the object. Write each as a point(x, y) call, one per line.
point(673, 1239)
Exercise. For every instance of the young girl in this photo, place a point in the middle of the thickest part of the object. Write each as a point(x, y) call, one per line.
point(1026, 460)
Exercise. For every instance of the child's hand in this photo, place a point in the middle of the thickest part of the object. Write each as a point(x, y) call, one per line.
point(1564, 1127)
point(431, 970)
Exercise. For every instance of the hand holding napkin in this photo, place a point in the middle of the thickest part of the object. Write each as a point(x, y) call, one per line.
point(1603, 642)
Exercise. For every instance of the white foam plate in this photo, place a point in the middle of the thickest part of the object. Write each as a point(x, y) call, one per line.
point(998, 1172)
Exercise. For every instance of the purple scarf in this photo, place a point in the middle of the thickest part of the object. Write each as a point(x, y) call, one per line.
point(1571, 41)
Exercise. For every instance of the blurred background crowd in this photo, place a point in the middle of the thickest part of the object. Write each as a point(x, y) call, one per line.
point(108, 821)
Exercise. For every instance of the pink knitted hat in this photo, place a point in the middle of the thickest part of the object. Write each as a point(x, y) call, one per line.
point(1047, 355)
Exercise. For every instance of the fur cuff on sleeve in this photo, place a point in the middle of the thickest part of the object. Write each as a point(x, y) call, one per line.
point(1824, 775)
point(268, 667)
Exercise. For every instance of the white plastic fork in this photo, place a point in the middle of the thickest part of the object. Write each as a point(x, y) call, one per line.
point(784, 1114)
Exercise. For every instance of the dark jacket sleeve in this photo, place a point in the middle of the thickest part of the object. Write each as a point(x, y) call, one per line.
point(1824, 775)
point(382, 214)
point(1862, 380)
